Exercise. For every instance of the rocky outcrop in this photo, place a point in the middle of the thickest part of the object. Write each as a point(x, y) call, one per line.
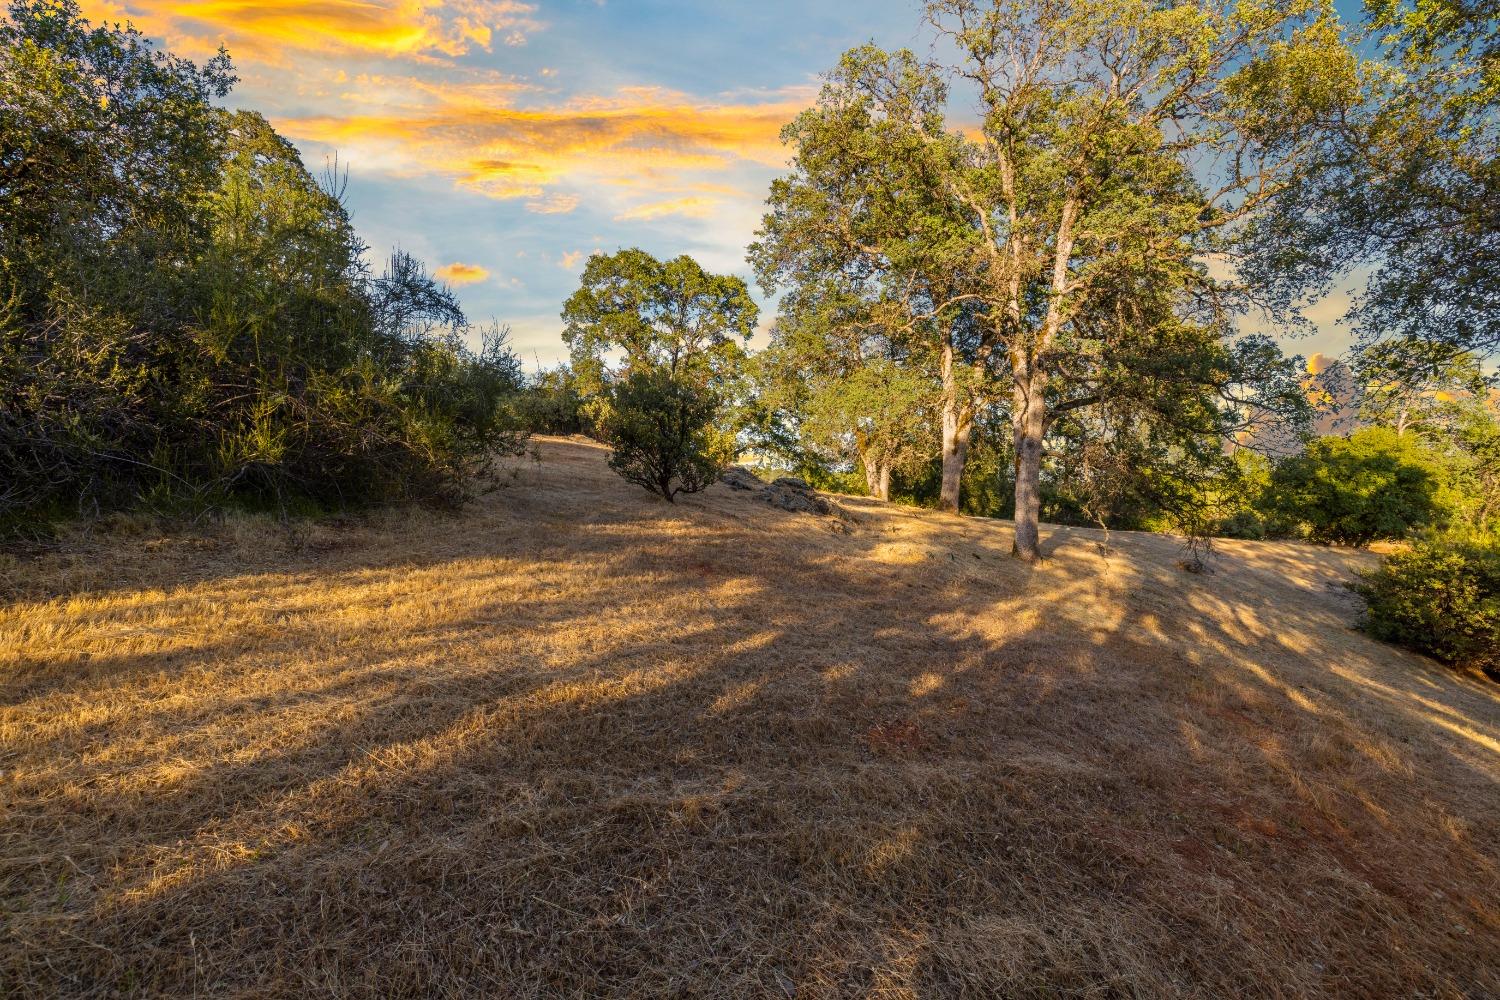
point(787, 493)
point(737, 477)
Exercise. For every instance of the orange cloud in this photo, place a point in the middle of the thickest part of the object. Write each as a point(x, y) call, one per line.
point(553, 204)
point(461, 274)
point(638, 138)
point(693, 207)
point(265, 28)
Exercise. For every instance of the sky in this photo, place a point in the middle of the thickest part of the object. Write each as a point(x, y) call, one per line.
point(503, 141)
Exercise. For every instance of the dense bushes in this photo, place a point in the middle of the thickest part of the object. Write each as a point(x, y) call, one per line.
point(1375, 483)
point(186, 314)
point(552, 404)
point(1441, 597)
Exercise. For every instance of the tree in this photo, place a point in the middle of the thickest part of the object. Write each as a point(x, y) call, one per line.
point(1351, 491)
point(1443, 397)
point(108, 153)
point(550, 404)
point(317, 378)
point(1476, 474)
point(1417, 385)
point(661, 428)
point(851, 391)
point(863, 212)
point(186, 314)
point(671, 315)
point(1119, 142)
point(108, 148)
point(1407, 190)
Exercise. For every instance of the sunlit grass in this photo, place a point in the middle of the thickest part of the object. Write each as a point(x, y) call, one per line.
point(576, 742)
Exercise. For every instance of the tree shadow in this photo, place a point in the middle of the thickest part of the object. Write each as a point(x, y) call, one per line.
point(592, 746)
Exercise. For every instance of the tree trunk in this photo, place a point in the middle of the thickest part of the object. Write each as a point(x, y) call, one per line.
point(1029, 399)
point(877, 478)
point(958, 425)
point(1028, 420)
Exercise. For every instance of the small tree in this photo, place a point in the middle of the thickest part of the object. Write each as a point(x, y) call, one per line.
point(849, 391)
point(663, 434)
point(1372, 484)
point(1418, 386)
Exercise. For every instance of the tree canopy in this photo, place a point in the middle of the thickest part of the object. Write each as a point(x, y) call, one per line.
point(657, 314)
point(1057, 259)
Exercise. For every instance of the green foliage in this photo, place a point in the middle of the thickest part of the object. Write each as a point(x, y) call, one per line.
point(670, 314)
point(1239, 500)
point(1474, 449)
point(987, 483)
point(1052, 259)
point(844, 392)
point(1404, 192)
point(551, 404)
point(662, 430)
point(1373, 484)
point(1417, 385)
point(186, 314)
point(1442, 597)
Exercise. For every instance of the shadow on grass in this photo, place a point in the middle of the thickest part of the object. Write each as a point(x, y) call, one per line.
point(590, 746)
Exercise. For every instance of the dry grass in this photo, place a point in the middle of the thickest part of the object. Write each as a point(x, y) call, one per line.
point(576, 742)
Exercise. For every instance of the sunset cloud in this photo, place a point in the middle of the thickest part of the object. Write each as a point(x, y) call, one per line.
point(636, 138)
point(389, 28)
point(1318, 363)
point(553, 204)
point(694, 207)
point(462, 274)
point(514, 138)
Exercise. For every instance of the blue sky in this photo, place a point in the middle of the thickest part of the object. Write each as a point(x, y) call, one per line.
point(502, 141)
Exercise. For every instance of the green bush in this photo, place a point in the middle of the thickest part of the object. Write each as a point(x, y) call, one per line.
point(551, 404)
point(663, 434)
point(1242, 524)
point(1351, 491)
point(1441, 597)
point(187, 316)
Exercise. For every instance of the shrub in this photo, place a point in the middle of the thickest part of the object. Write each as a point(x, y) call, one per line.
point(187, 316)
point(1373, 484)
point(663, 434)
point(551, 404)
point(1242, 524)
point(1441, 597)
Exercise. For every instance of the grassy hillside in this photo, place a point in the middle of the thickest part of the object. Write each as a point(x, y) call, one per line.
point(577, 742)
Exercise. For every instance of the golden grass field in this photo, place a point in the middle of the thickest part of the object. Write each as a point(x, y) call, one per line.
point(576, 742)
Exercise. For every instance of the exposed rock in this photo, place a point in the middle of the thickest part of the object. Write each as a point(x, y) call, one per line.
point(787, 493)
point(737, 477)
point(791, 493)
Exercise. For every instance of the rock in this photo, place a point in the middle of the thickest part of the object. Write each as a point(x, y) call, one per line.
point(788, 493)
point(737, 477)
point(791, 493)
